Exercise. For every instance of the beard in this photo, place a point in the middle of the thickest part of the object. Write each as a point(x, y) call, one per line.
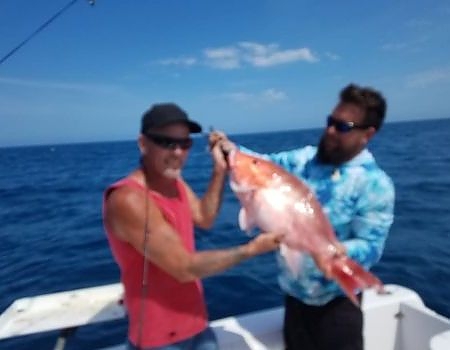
point(171, 173)
point(173, 168)
point(330, 152)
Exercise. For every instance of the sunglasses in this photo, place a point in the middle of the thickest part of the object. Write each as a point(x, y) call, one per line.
point(343, 126)
point(168, 142)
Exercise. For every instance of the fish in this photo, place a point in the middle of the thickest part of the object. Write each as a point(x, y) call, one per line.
point(274, 200)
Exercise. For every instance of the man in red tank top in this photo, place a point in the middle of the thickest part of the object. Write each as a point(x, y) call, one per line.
point(152, 213)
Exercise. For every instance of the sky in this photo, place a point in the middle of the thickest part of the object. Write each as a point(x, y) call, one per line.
point(240, 66)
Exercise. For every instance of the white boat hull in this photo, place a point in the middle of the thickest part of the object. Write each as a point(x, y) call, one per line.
point(395, 321)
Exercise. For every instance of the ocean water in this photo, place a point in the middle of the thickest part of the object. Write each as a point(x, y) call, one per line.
point(51, 235)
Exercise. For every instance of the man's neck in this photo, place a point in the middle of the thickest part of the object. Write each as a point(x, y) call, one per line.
point(161, 184)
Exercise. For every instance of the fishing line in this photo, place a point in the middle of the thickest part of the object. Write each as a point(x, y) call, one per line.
point(40, 28)
point(144, 286)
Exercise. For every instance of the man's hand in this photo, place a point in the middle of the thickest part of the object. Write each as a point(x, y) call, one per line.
point(220, 145)
point(215, 137)
point(264, 243)
point(220, 163)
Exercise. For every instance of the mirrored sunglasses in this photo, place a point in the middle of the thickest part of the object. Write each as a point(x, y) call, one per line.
point(343, 126)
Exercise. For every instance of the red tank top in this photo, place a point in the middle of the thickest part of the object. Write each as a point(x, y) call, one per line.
point(173, 311)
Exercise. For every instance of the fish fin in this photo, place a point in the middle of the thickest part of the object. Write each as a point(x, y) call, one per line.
point(245, 222)
point(352, 277)
point(293, 259)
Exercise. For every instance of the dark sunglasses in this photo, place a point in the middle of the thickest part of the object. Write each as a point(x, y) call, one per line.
point(169, 142)
point(343, 126)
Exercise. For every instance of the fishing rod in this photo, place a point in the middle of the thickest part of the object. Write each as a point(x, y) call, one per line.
point(41, 28)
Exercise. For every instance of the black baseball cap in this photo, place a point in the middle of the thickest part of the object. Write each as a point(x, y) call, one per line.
point(162, 114)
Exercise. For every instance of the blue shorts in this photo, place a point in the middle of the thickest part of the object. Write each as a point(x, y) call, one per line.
point(205, 340)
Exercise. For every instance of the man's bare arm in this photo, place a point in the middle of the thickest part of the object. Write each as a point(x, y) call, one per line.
point(125, 216)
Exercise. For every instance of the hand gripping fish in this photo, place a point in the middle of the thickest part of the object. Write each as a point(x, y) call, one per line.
point(276, 201)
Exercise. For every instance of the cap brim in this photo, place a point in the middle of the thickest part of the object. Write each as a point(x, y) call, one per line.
point(194, 127)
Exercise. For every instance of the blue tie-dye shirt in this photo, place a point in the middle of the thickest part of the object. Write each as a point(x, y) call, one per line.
point(358, 198)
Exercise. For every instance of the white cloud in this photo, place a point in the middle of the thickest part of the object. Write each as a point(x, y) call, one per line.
point(246, 53)
point(259, 55)
point(222, 57)
point(179, 61)
point(265, 96)
point(273, 58)
point(429, 77)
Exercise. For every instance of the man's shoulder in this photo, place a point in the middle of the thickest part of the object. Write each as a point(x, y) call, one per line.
point(123, 198)
point(308, 150)
point(367, 168)
point(302, 154)
point(380, 176)
point(126, 191)
point(366, 176)
point(377, 182)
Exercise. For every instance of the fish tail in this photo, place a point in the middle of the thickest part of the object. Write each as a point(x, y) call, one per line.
point(353, 278)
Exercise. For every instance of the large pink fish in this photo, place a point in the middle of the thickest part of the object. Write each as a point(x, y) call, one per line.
point(276, 201)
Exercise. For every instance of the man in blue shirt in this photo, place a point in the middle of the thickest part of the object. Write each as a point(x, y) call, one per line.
point(358, 198)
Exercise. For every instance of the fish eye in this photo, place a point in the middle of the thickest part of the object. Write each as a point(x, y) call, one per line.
point(255, 161)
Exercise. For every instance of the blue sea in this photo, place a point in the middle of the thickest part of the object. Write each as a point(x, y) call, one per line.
point(51, 235)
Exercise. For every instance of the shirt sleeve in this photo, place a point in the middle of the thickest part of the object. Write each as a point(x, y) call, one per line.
point(374, 217)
